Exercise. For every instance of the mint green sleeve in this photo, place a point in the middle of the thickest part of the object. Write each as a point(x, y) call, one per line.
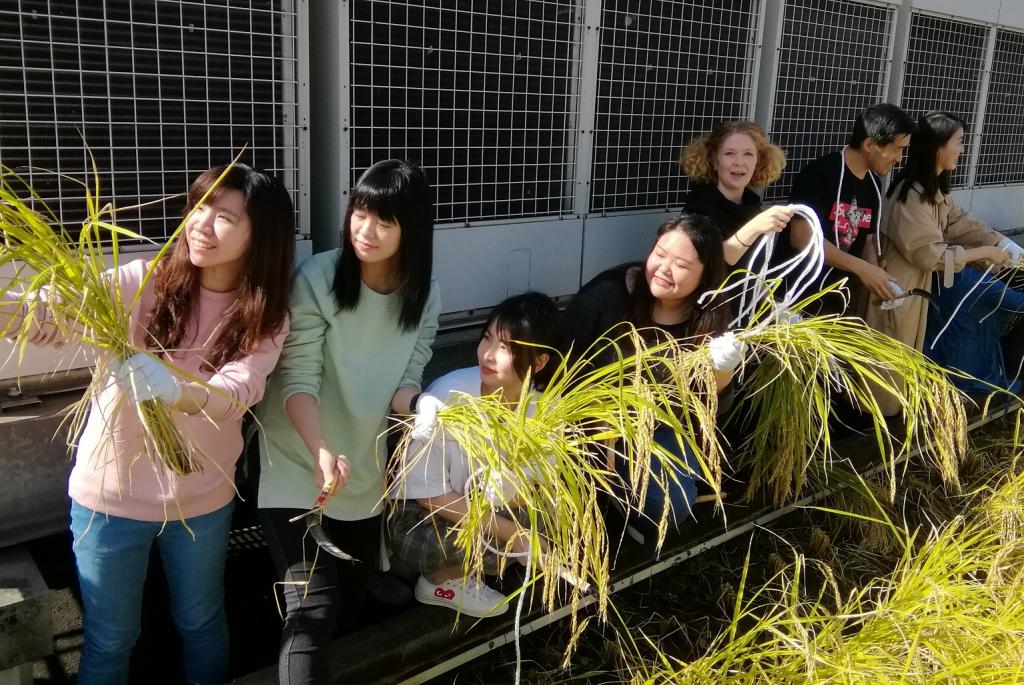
point(422, 352)
point(302, 358)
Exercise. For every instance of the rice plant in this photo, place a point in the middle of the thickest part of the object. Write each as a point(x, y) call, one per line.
point(950, 612)
point(65, 283)
point(558, 461)
point(802, 368)
point(548, 456)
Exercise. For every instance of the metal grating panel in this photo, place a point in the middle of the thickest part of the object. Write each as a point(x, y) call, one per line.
point(945, 60)
point(833, 60)
point(482, 96)
point(1002, 147)
point(160, 90)
point(669, 71)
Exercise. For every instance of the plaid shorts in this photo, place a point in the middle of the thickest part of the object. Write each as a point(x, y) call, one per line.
point(425, 542)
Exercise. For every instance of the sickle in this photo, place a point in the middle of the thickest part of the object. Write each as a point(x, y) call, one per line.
point(314, 523)
point(919, 292)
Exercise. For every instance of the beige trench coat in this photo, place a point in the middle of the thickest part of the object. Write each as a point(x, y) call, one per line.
point(919, 238)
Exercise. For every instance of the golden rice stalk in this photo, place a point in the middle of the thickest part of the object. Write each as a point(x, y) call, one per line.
point(801, 369)
point(550, 452)
point(65, 283)
point(950, 612)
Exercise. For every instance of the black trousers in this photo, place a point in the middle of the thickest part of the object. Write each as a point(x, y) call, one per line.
point(322, 597)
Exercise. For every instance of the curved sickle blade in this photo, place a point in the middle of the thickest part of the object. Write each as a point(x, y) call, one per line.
point(314, 527)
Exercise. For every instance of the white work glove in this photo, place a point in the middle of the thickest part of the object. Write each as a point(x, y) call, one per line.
point(144, 378)
point(892, 304)
point(788, 316)
point(425, 419)
point(1015, 251)
point(726, 352)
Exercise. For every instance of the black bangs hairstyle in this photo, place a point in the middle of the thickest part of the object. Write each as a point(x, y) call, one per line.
point(934, 130)
point(529, 318)
point(394, 190)
point(883, 123)
point(711, 318)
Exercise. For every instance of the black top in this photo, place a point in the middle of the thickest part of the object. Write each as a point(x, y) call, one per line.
point(603, 305)
point(708, 200)
point(857, 215)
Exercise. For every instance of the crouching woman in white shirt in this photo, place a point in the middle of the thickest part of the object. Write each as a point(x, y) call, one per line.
point(431, 497)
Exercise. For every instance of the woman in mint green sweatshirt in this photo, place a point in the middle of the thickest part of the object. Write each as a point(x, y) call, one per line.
point(363, 320)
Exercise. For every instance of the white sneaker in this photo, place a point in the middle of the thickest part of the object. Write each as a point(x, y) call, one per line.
point(465, 595)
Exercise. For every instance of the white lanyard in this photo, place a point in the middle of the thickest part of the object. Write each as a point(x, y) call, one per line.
point(839, 192)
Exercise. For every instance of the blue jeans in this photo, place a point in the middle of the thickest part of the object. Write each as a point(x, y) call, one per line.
point(681, 492)
point(112, 556)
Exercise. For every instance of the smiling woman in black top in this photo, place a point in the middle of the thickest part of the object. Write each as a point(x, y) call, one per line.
point(722, 166)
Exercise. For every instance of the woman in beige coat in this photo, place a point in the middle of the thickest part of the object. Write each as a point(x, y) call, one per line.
point(924, 231)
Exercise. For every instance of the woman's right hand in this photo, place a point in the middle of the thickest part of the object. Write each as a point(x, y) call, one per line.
point(521, 546)
point(330, 467)
point(771, 220)
point(989, 253)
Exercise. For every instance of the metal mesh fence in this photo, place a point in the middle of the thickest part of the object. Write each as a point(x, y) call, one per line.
point(1002, 147)
point(945, 60)
point(668, 72)
point(159, 91)
point(833, 59)
point(482, 94)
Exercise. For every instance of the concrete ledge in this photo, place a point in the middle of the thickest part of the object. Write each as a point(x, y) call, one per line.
point(26, 633)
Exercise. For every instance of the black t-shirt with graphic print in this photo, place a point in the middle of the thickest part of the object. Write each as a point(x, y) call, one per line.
point(856, 216)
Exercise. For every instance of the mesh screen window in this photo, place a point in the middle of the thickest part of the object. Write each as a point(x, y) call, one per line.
point(833, 58)
point(160, 91)
point(1002, 147)
point(483, 98)
point(945, 59)
point(668, 72)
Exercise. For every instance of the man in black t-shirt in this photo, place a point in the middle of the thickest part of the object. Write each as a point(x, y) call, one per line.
point(845, 190)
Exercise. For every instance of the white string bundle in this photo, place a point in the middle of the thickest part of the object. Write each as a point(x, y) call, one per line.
point(753, 286)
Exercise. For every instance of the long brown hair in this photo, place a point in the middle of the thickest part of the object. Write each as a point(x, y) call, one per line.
point(265, 285)
point(711, 318)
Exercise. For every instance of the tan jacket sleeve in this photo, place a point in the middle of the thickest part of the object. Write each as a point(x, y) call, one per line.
point(964, 229)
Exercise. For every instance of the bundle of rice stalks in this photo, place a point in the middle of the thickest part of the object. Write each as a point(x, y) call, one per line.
point(949, 613)
point(551, 455)
point(63, 282)
point(803, 368)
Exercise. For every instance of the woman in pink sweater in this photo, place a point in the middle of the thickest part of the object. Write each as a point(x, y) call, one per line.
point(218, 304)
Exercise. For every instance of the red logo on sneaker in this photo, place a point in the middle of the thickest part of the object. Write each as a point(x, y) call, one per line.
point(444, 594)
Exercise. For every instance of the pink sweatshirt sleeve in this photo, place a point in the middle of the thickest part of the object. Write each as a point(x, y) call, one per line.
point(241, 382)
point(44, 332)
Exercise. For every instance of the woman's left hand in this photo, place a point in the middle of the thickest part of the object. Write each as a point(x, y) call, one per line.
point(1011, 248)
point(726, 352)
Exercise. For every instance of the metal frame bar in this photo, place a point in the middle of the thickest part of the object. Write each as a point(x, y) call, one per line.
point(587, 106)
point(981, 105)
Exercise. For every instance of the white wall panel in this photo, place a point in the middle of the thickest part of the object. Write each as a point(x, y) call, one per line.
point(979, 10)
point(613, 240)
point(482, 265)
